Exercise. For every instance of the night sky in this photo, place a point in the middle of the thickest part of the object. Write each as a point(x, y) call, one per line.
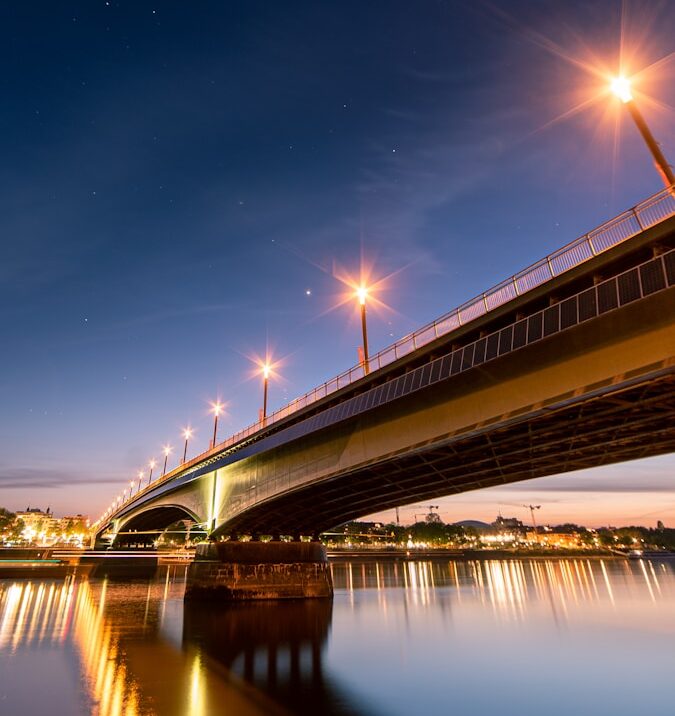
point(182, 184)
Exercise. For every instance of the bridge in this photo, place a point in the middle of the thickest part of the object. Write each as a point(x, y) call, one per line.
point(568, 364)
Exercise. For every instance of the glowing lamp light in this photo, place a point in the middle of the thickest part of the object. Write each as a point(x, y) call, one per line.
point(266, 369)
point(153, 462)
point(620, 86)
point(217, 408)
point(166, 449)
point(362, 294)
point(187, 433)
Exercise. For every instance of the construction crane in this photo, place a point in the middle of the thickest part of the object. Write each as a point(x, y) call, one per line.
point(430, 516)
point(532, 508)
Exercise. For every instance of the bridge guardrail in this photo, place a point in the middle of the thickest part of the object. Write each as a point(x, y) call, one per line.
point(644, 215)
point(652, 211)
point(638, 282)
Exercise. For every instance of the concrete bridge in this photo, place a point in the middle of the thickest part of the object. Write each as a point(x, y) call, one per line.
point(569, 364)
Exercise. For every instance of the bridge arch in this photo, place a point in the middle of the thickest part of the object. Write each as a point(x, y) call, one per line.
point(144, 526)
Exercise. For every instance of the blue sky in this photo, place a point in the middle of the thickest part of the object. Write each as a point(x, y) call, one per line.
point(177, 176)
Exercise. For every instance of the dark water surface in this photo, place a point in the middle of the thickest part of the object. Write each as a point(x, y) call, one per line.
point(493, 637)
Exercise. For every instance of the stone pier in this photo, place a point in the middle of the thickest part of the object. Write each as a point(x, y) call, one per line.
point(243, 571)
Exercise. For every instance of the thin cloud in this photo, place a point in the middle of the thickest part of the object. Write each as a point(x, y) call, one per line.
point(35, 477)
point(656, 475)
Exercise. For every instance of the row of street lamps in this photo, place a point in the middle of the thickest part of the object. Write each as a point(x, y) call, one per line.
point(620, 86)
point(217, 409)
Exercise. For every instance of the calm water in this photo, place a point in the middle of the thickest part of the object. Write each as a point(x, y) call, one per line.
point(501, 637)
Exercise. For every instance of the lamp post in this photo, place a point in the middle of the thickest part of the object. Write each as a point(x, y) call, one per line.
point(620, 86)
point(266, 368)
point(216, 409)
point(140, 479)
point(361, 294)
point(187, 434)
point(166, 449)
point(153, 462)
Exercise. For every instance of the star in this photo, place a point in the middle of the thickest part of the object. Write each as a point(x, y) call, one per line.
point(308, 292)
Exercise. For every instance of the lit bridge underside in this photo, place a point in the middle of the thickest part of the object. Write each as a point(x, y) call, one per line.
point(577, 372)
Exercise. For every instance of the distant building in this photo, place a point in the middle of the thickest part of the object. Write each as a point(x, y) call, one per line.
point(503, 531)
point(78, 523)
point(559, 540)
point(508, 524)
point(43, 529)
point(74, 530)
point(39, 527)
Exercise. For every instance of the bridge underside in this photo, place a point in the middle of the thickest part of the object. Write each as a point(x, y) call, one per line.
point(158, 518)
point(145, 527)
point(606, 426)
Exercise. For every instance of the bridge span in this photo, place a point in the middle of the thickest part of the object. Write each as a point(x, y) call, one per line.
point(569, 364)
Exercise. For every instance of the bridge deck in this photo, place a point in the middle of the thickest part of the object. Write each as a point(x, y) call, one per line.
point(402, 377)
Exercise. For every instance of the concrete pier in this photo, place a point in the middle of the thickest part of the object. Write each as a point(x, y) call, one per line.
point(243, 571)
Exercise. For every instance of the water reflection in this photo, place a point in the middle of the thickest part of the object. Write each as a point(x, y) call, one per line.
point(34, 613)
point(129, 659)
point(397, 636)
point(275, 647)
point(506, 587)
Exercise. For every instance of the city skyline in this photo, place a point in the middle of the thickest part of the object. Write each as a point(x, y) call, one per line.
point(157, 254)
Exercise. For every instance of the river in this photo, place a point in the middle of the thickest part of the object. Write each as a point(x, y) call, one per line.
point(555, 637)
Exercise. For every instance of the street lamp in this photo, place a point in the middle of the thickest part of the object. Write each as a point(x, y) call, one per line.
point(153, 462)
point(140, 478)
point(362, 294)
point(187, 434)
point(266, 368)
point(620, 86)
point(166, 450)
point(216, 409)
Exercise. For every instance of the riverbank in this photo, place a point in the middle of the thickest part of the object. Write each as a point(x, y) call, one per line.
point(470, 554)
point(45, 563)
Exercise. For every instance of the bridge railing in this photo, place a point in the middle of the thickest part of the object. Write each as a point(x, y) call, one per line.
point(657, 208)
point(646, 214)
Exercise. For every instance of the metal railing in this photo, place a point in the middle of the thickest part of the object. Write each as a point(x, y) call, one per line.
point(646, 214)
point(638, 282)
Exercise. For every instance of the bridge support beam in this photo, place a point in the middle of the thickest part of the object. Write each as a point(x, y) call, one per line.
point(243, 571)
